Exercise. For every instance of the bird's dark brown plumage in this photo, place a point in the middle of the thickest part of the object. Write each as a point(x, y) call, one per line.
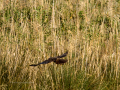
point(56, 60)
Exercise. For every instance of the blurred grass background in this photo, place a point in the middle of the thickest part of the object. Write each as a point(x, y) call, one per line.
point(31, 31)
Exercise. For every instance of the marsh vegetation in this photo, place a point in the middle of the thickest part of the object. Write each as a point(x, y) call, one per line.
point(31, 31)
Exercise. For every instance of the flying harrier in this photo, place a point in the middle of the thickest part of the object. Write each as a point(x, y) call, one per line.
point(56, 60)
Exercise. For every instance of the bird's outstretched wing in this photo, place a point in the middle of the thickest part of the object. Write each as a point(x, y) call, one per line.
point(44, 62)
point(60, 61)
point(63, 55)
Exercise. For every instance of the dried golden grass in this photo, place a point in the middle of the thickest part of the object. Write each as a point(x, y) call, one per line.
point(33, 31)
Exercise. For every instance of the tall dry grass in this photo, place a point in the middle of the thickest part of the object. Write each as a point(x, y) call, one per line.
point(34, 30)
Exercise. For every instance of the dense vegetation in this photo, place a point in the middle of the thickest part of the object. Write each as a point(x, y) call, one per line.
point(34, 30)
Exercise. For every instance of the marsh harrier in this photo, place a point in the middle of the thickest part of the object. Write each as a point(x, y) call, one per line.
point(56, 60)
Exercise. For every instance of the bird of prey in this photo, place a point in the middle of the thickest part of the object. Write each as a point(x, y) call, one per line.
point(56, 60)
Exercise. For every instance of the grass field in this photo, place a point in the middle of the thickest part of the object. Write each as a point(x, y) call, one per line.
point(31, 31)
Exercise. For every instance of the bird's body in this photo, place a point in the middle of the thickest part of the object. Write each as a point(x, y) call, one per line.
point(60, 61)
point(56, 60)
